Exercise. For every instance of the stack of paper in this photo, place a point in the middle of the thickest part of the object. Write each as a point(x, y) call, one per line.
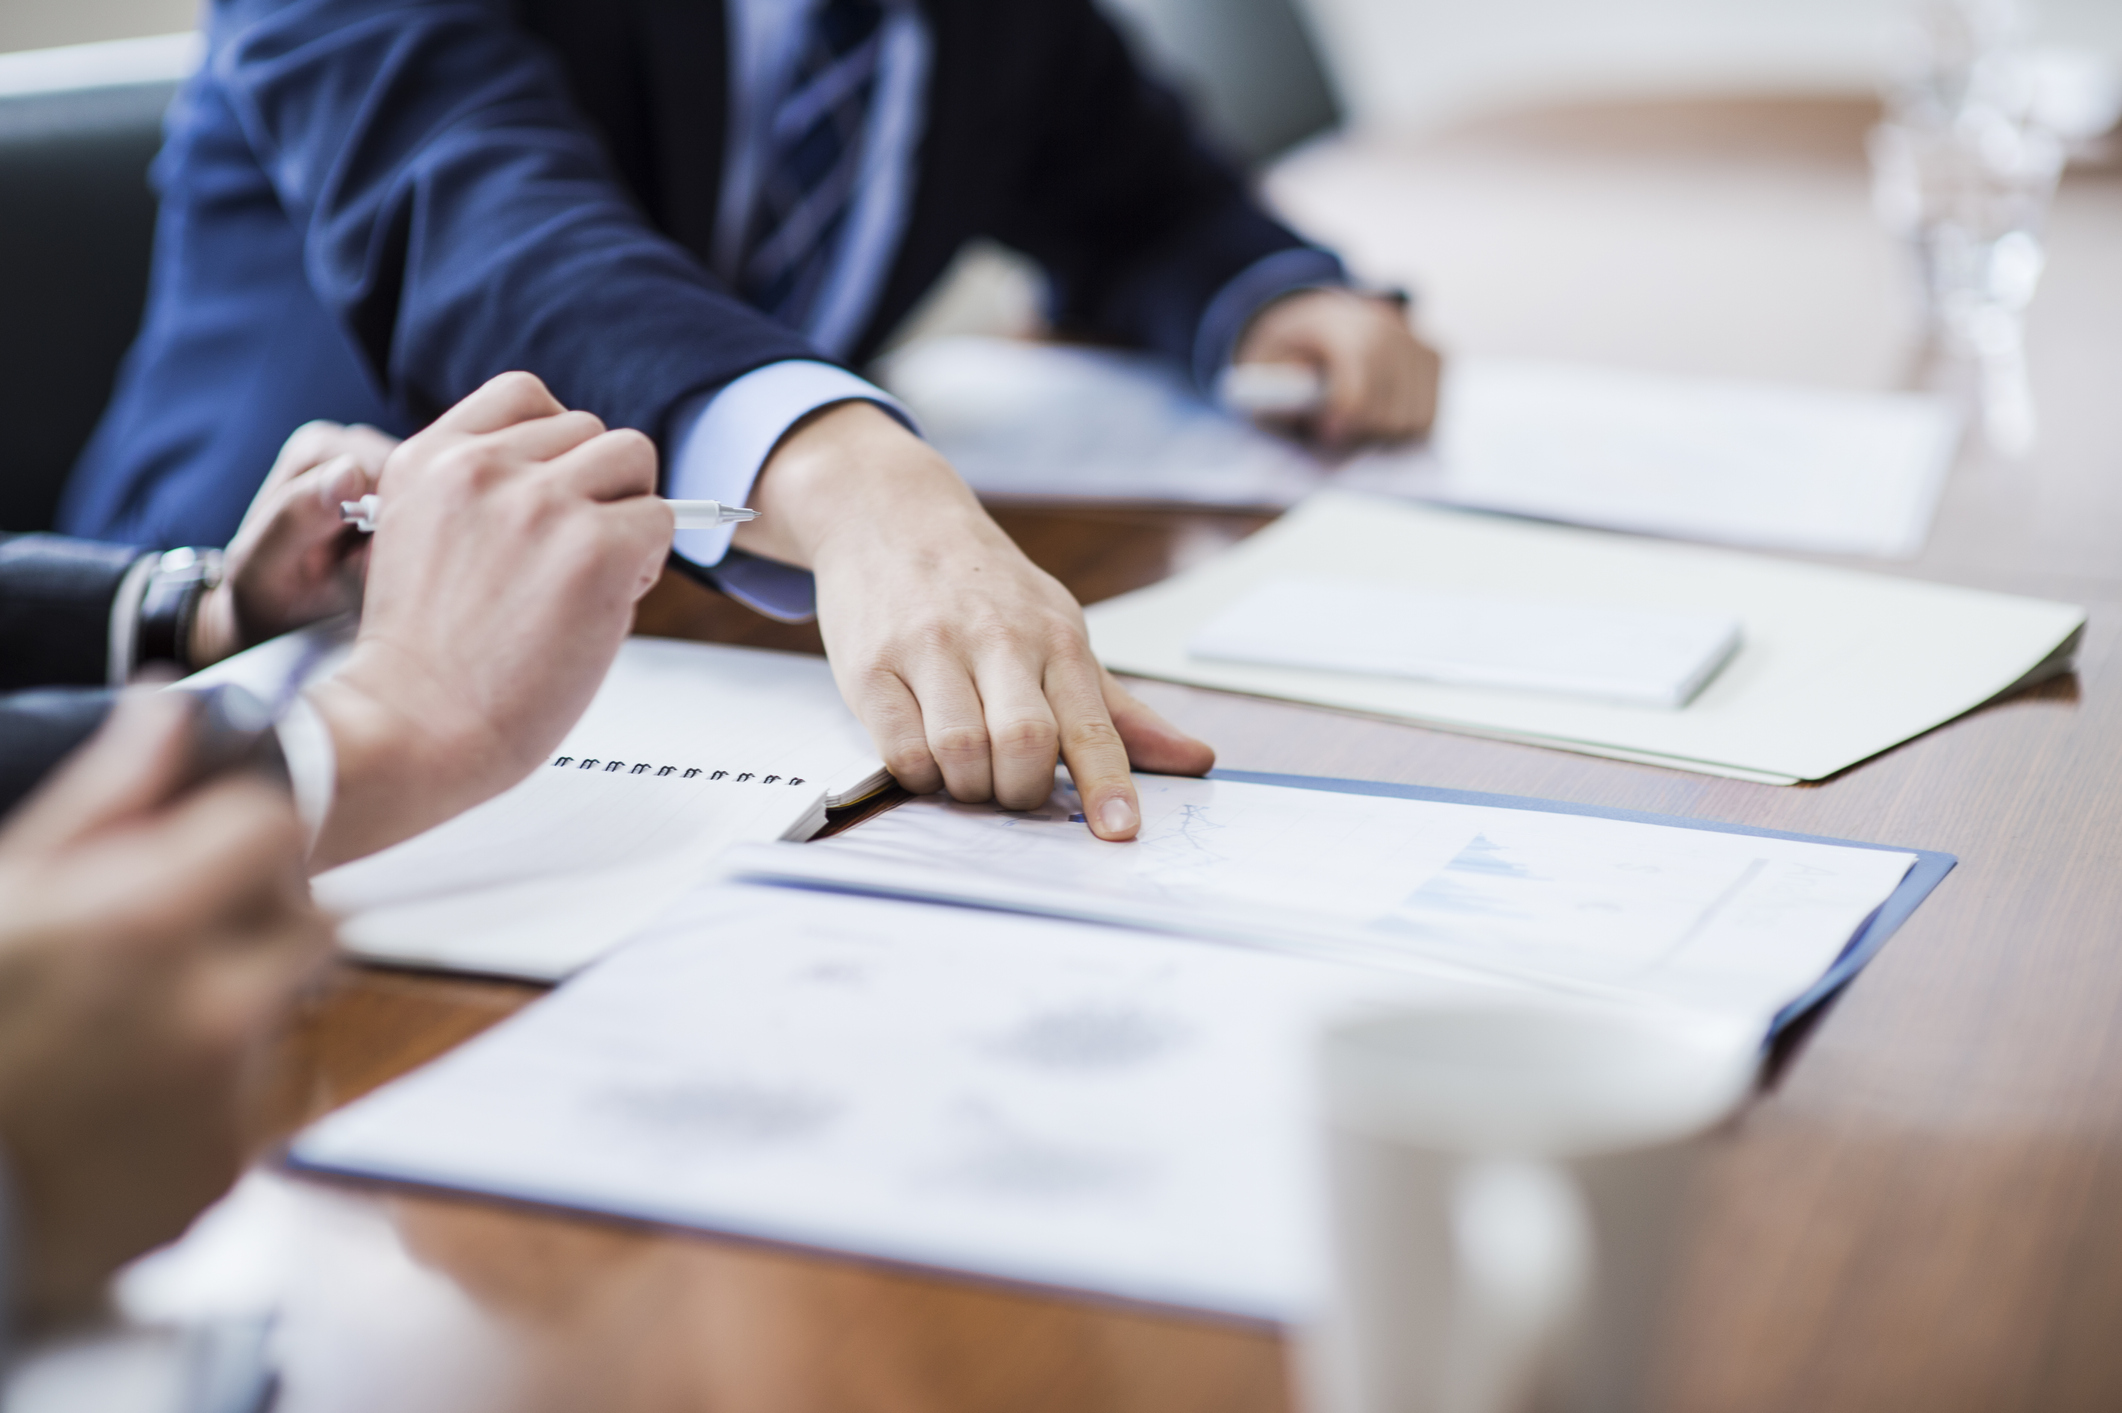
point(1086, 1104)
point(1693, 458)
point(1834, 666)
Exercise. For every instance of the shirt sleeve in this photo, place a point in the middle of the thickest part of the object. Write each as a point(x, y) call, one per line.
point(312, 764)
point(1247, 293)
point(721, 443)
point(60, 601)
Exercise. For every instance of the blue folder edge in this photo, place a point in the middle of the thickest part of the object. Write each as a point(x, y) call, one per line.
point(1930, 867)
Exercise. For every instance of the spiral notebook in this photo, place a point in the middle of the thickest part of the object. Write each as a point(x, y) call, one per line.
point(687, 749)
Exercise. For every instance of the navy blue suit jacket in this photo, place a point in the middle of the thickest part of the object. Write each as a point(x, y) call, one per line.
point(55, 612)
point(372, 206)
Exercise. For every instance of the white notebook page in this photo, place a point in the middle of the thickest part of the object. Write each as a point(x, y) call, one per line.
point(713, 746)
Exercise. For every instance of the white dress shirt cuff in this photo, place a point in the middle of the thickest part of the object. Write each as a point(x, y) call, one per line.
point(722, 439)
point(312, 764)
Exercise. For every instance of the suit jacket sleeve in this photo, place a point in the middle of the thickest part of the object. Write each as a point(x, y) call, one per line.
point(460, 217)
point(38, 729)
point(55, 609)
point(1137, 222)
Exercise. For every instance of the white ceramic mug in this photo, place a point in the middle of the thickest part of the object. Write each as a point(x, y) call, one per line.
point(1505, 1181)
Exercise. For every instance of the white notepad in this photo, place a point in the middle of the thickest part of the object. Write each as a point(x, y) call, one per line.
point(1641, 656)
point(686, 749)
point(1835, 665)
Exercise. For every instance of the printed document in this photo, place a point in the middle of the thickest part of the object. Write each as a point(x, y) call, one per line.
point(1032, 1100)
point(1730, 462)
point(898, 1059)
point(1737, 924)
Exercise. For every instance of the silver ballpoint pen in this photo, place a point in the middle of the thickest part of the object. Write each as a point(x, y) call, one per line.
point(692, 514)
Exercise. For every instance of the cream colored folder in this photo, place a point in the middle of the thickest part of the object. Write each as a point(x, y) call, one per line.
point(1833, 666)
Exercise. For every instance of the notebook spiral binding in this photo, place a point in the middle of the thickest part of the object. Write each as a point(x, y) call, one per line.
point(690, 772)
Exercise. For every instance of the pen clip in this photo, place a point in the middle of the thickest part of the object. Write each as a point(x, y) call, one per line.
point(362, 513)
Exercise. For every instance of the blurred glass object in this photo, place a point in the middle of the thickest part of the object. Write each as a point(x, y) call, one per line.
point(1964, 167)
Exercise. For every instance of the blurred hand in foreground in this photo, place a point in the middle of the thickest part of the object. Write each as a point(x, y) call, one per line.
point(151, 945)
point(514, 541)
point(1381, 380)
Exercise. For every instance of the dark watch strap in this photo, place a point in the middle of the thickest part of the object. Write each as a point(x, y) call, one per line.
point(170, 602)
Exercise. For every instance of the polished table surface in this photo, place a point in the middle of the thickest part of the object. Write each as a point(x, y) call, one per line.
point(1923, 1209)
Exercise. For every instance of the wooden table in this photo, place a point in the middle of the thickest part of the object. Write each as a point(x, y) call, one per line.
point(1923, 1210)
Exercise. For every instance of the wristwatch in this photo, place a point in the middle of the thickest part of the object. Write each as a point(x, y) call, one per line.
point(169, 603)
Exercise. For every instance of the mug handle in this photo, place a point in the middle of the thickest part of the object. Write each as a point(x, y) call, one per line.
point(1522, 1243)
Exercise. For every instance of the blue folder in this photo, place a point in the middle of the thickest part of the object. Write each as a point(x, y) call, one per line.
point(1930, 867)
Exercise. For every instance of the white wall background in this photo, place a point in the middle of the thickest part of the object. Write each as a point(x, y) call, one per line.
point(45, 24)
point(1427, 63)
point(1402, 63)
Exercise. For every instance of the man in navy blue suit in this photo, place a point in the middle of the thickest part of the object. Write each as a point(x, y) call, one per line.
point(688, 218)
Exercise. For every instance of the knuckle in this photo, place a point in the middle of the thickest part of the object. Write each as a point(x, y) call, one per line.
point(960, 745)
point(936, 637)
point(585, 425)
point(912, 766)
point(1067, 646)
point(313, 440)
point(1095, 733)
point(874, 679)
point(1028, 737)
point(633, 454)
point(518, 387)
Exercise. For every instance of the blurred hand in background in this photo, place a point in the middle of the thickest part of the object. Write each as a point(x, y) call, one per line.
point(1381, 380)
point(294, 560)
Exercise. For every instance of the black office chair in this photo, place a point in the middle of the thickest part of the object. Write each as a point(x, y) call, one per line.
point(76, 228)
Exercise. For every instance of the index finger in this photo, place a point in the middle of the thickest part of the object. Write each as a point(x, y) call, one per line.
point(1092, 750)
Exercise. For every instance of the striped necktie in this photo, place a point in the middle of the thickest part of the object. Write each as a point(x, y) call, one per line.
point(813, 158)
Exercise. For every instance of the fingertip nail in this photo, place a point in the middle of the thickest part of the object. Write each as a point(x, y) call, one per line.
point(1117, 816)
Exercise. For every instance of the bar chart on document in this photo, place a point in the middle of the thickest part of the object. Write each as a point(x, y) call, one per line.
point(1735, 922)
